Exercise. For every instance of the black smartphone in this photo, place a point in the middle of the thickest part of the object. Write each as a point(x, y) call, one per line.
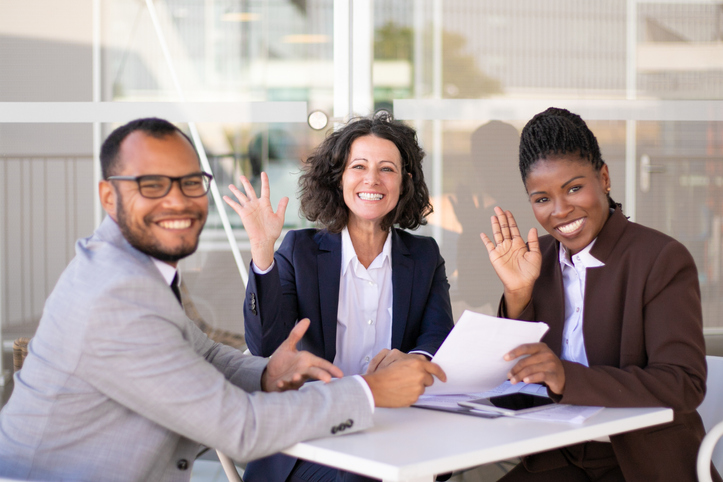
point(514, 403)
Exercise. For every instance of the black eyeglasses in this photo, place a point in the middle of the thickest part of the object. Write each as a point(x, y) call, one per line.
point(154, 186)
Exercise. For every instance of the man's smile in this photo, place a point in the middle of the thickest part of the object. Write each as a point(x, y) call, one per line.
point(175, 223)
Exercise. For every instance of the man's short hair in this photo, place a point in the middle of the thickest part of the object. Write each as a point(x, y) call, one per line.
point(152, 126)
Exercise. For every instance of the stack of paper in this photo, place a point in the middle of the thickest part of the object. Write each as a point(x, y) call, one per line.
point(472, 355)
point(562, 413)
point(551, 413)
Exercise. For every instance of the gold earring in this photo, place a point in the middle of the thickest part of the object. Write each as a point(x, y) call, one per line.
point(607, 190)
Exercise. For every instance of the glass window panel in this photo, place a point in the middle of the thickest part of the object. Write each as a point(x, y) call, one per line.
point(281, 50)
point(222, 50)
point(557, 49)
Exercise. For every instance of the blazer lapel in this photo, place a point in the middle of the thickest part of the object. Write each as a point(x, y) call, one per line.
point(550, 289)
point(402, 280)
point(329, 263)
point(557, 301)
point(609, 236)
point(601, 336)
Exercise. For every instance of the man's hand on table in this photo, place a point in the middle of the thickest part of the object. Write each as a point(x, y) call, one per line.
point(386, 357)
point(289, 368)
point(401, 383)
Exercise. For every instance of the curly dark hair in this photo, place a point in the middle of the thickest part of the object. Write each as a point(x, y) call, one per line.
point(557, 132)
point(320, 189)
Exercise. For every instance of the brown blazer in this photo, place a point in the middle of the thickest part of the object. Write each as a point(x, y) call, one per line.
point(643, 334)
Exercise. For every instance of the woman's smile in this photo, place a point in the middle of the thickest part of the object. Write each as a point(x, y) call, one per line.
point(570, 229)
point(370, 196)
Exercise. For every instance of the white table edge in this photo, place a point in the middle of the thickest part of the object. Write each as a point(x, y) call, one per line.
point(424, 472)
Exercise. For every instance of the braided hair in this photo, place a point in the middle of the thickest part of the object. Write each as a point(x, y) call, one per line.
point(556, 132)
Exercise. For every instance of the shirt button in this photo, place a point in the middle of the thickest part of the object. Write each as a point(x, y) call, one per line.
point(370, 322)
point(366, 359)
point(567, 342)
point(577, 309)
point(371, 283)
point(182, 464)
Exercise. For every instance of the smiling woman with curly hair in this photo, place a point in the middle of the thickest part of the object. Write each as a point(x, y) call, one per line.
point(322, 199)
point(375, 294)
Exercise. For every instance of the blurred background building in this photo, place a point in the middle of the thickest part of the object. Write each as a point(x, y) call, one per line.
point(468, 74)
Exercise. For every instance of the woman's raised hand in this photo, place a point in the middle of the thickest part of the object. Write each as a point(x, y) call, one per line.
point(262, 224)
point(516, 263)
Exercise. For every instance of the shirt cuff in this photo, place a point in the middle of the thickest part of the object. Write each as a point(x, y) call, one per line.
point(422, 352)
point(367, 390)
point(258, 271)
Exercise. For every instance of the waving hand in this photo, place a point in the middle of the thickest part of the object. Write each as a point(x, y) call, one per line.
point(262, 224)
point(516, 263)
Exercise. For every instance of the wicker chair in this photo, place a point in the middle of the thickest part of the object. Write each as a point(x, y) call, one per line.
point(20, 351)
point(235, 340)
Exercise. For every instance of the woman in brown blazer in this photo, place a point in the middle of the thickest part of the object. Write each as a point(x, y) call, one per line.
point(623, 305)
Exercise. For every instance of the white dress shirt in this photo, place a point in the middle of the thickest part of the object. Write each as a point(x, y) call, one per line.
point(167, 271)
point(574, 270)
point(367, 390)
point(364, 315)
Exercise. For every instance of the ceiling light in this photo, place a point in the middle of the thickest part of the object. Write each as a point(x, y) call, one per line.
point(305, 39)
point(318, 120)
point(240, 17)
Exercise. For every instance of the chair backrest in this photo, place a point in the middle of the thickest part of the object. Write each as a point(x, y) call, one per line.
point(705, 453)
point(711, 410)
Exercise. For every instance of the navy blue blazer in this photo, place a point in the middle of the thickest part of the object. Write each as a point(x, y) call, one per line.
point(304, 283)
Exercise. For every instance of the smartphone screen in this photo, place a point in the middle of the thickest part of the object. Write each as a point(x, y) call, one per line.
point(510, 404)
point(519, 401)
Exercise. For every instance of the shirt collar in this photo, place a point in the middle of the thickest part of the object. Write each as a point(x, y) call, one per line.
point(167, 271)
point(583, 257)
point(348, 254)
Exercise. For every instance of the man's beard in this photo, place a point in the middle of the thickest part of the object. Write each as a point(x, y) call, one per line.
point(144, 242)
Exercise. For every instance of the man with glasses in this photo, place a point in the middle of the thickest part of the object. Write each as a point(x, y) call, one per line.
point(119, 384)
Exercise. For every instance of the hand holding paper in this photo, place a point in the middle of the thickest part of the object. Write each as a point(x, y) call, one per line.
point(472, 356)
point(538, 365)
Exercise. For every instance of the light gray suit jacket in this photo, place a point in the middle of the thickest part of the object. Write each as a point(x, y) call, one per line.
point(120, 385)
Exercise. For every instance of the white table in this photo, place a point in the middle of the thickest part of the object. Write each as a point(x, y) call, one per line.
point(412, 444)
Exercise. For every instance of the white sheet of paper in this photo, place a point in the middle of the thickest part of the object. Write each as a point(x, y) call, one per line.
point(507, 388)
point(563, 413)
point(471, 356)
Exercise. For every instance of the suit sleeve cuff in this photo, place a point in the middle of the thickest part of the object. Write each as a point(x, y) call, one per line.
point(367, 390)
point(421, 352)
point(258, 271)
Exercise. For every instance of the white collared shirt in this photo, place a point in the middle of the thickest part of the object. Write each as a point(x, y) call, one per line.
point(364, 315)
point(167, 271)
point(357, 377)
point(574, 272)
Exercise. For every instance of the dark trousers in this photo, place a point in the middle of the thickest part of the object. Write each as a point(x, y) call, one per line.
point(305, 471)
point(586, 462)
